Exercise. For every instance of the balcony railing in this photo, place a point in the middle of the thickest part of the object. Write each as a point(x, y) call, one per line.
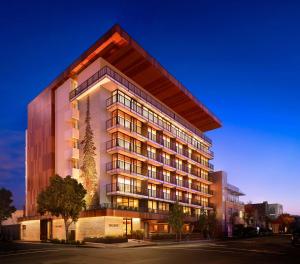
point(137, 129)
point(132, 106)
point(155, 175)
point(104, 206)
point(125, 188)
point(123, 144)
point(137, 91)
point(126, 124)
point(125, 166)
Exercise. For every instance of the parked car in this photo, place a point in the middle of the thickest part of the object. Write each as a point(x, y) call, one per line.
point(296, 237)
point(265, 232)
point(250, 232)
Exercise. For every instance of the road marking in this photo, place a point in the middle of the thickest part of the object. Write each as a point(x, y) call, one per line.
point(30, 252)
point(224, 250)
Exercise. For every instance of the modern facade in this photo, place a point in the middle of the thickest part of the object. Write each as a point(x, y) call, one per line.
point(229, 209)
point(148, 133)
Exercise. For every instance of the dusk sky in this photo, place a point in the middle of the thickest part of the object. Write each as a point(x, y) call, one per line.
point(240, 58)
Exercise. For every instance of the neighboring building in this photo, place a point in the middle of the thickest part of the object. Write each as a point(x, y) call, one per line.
point(13, 220)
point(275, 210)
point(226, 199)
point(261, 214)
point(148, 133)
point(10, 229)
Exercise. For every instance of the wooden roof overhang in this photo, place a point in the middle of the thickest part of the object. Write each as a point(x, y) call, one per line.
point(120, 50)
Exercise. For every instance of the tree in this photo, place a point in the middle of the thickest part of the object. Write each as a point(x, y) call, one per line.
point(285, 222)
point(63, 197)
point(176, 219)
point(6, 207)
point(212, 223)
point(202, 221)
point(88, 169)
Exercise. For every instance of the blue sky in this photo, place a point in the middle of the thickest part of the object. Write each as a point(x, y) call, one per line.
point(240, 58)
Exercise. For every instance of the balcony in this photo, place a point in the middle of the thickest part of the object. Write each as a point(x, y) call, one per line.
point(202, 190)
point(160, 123)
point(121, 145)
point(124, 188)
point(119, 166)
point(153, 141)
point(157, 175)
point(120, 124)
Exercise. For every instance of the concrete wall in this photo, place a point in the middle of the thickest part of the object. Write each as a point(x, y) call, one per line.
point(99, 116)
point(63, 145)
point(30, 230)
point(99, 227)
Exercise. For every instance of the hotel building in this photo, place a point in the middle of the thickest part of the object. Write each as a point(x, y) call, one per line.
point(148, 133)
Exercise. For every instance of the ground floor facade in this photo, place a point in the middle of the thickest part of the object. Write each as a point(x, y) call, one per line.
point(98, 223)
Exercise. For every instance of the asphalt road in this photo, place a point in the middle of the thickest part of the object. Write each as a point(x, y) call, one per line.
point(257, 250)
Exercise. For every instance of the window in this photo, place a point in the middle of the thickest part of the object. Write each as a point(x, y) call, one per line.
point(204, 174)
point(151, 152)
point(179, 148)
point(167, 141)
point(152, 205)
point(166, 158)
point(167, 176)
point(125, 201)
point(151, 134)
point(151, 190)
point(163, 206)
point(179, 181)
point(152, 171)
point(178, 164)
point(166, 193)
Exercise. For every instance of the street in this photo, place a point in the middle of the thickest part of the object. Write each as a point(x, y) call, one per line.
point(275, 249)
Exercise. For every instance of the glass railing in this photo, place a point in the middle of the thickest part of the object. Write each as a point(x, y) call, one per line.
point(117, 120)
point(132, 106)
point(126, 188)
point(124, 144)
point(126, 166)
point(137, 129)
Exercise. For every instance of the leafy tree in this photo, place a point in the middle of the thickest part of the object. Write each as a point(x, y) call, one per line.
point(212, 223)
point(88, 169)
point(285, 222)
point(6, 207)
point(202, 221)
point(176, 219)
point(63, 197)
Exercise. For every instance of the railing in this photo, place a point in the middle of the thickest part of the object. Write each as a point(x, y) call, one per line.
point(137, 129)
point(126, 166)
point(137, 91)
point(125, 188)
point(201, 189)
point(128, 125)
point(133, 107)
point(124, 144)
point(104, 206)
point(155, 175)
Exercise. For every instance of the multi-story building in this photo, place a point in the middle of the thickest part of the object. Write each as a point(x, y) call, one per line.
point(261, 214)
point(148, 136)
point(229, 209)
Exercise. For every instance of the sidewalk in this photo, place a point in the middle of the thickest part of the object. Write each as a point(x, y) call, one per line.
point(132, 243)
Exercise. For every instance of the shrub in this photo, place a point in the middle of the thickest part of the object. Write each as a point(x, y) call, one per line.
point(106, 239)
point(137, 234)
